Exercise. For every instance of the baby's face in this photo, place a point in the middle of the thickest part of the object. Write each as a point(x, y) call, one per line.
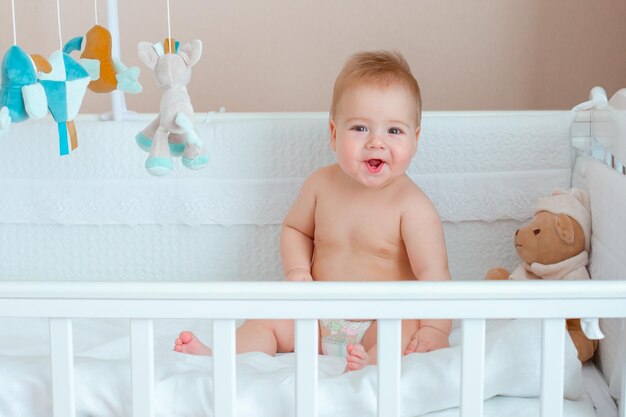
point(374, 133)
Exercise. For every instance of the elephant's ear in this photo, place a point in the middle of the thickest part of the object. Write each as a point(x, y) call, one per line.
point(190, 52)
point(147, 54)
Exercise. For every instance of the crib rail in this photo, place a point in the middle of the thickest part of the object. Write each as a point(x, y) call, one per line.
point(306, 302)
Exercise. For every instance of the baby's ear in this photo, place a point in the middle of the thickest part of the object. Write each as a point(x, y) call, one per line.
point(147, 54)
point(333, 134)
point(418, 131)
point(565, 228)
point(190, 52)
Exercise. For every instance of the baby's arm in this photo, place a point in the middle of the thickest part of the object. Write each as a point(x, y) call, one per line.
point(296, 234)
point(422, 233)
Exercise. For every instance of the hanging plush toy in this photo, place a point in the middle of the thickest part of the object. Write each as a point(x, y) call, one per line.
point(108, 73)
point(65, 86)
point(21, 96)
point(172, 132)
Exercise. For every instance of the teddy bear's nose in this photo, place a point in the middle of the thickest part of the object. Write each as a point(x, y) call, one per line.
point(536, 231)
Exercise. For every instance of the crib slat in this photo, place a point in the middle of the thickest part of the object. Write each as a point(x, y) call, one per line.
point(473, 368)
point(62, 356)
point(224, 382)
point(389, 350)
point(142, 352)
point(552, 367)
point(306, 367)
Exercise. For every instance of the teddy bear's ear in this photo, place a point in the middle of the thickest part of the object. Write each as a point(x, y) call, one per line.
point(565, 228)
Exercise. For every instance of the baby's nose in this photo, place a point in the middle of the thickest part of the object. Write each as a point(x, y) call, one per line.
point(375, 142)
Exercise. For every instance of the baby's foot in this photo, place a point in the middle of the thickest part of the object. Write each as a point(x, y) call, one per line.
point(357, 357)
point(187, 342)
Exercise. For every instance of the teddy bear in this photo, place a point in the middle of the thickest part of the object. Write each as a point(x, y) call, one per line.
point(555, 245)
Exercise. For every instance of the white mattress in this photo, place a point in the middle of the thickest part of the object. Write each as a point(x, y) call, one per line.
point(430, 382)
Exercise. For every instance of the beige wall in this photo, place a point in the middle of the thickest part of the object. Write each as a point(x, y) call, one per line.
point(272, 55)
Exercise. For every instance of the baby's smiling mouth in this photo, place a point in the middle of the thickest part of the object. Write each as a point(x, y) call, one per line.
point(374, 165)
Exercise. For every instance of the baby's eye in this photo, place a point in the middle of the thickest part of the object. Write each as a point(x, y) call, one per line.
point(359, 128)
point(394, 131)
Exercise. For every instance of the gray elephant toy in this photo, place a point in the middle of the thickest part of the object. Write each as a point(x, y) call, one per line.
point(173, 131)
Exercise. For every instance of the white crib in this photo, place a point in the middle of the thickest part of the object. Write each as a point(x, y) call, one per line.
point(93, 236)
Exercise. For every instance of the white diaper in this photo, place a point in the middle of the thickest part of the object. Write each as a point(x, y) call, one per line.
point(338, 333)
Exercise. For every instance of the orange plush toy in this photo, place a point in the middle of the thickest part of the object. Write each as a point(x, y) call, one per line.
point(555, 245)
point(107, 73)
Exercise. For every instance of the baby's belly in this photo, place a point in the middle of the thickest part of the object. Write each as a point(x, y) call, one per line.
point(334, 265)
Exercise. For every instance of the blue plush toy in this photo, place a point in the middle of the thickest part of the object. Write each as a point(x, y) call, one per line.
point(65, 87)
point(21, 96)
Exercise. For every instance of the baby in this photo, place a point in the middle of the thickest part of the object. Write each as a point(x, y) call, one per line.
point(361, 219)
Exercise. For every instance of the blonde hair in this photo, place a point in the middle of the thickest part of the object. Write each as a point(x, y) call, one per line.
point(381, 68)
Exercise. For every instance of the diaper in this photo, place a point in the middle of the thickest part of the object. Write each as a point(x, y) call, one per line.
point(338, 333)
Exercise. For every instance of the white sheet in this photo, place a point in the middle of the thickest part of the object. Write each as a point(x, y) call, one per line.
point(430, 382)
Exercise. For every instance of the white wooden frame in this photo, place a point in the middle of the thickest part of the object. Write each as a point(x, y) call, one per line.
point(473, 302)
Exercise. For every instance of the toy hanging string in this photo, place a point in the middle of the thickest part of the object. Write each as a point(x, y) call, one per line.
point(13, 14)
point(59, 25)
point(169, 29)
point(95, 7)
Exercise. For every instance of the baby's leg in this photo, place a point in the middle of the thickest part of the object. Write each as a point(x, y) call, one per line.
point(268, 336)
point(355, 361)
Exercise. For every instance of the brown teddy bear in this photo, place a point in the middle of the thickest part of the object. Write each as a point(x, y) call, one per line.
point(555, 245)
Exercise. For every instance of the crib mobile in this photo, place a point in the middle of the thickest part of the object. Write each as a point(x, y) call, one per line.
point(32, 86)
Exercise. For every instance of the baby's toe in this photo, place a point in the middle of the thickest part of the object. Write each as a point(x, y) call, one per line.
point(185, 337)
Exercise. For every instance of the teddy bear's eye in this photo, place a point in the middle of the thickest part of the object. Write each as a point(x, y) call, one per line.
point(536, 231)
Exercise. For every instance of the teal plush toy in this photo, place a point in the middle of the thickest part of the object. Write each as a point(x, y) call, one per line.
point(65, 88)
point(21, 96)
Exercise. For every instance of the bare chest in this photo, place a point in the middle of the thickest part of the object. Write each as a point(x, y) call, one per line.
point(358, 225)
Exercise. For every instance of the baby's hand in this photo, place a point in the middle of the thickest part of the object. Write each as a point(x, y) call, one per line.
point(299, 274)
point(426, 339)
